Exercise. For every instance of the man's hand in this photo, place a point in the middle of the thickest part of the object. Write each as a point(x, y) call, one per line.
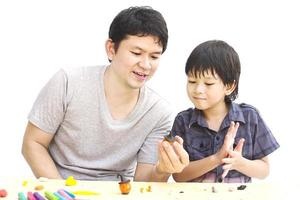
point(172, 157)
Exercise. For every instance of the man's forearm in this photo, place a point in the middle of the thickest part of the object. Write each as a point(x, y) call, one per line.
point(40, 161)
point(158, 176)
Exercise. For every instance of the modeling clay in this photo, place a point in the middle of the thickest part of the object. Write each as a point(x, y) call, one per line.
point(59, 196)
point(3, 193)
point(149, 189)
point(38, 196)
point(170, 138)
point(24, 183)
point(39, 187)
point(70, 181)
point(21, 196)
point(241, 187)
point(30, 196)
point(64, 194)
point(124, 185)
point(51, 196)
point(85, 192)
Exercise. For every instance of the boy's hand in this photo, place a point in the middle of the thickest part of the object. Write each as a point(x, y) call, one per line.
point(228, 141)
point(234, 158)
point(172, 157)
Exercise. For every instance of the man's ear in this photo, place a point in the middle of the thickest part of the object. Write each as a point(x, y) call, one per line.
point(230, 88)
point(110, 50)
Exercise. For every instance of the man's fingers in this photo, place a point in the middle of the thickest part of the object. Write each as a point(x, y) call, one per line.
point(182, 154)
point(164, 159)
point(179, 139)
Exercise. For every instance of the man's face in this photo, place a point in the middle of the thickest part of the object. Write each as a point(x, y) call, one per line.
point(135, 60)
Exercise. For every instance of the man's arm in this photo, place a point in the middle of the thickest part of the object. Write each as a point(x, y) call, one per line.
point(172, 159)
point(35, 151)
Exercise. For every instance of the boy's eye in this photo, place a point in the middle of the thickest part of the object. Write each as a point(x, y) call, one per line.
point(209, 84)
point(191, 82)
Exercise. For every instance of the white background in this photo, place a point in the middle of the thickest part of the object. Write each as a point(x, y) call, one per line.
point(37, 38)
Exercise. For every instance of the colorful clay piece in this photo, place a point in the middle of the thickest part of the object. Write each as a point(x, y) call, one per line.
point(50, 196)
point(64, 194)
point(21, 196)
point(39, 187)
point(38, 196)
point(3, 193)
point(85, 192)
point(169, 138)
point(71, 181)
point(241, 187)
point(70, 194)
point(124, 185)
point(60, 197)
point(24, 183)
point(149, 188)
point(30, 196)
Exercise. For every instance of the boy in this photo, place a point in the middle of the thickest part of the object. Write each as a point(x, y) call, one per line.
point(93, 123)
point(221, 137)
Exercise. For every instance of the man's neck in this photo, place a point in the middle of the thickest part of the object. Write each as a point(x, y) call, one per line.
point(121, 99)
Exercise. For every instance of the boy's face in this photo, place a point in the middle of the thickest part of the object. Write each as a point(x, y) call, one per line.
point(135, 60)
point(206, 91)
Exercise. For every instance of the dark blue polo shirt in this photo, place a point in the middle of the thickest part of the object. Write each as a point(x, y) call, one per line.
point(201, 142)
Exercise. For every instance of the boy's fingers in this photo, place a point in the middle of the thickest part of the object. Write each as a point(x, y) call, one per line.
point(239, 146)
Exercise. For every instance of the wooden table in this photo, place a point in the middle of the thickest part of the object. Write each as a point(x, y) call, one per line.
point(177, 191)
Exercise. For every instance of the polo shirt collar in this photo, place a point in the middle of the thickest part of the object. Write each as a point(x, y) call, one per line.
point(235, 114)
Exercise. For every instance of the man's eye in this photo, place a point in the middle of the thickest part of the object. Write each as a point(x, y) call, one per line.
point(135, 53)
point(155, 57)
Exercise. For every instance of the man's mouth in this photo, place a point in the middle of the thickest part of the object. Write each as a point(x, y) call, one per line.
point(140, 75)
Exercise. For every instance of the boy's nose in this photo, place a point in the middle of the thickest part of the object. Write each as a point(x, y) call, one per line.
point(199, 88)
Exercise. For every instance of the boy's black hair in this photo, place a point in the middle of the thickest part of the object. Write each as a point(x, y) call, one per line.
point(218, 57)
point(139, 21)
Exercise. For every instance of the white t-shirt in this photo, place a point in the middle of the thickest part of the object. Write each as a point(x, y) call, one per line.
point(88, 143)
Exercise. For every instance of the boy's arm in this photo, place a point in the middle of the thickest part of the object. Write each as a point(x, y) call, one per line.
point(35, 151)
point(200, 167)
point(253, 168)
point(197, 168)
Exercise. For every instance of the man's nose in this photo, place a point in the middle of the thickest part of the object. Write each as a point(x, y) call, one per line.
point(145, 63)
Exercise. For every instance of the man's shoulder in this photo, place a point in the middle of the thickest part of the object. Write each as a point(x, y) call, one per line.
point(156, 101)
point(82, 73)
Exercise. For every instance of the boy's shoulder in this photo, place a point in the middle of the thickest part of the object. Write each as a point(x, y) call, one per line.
point(247, 107)
point(186, 114)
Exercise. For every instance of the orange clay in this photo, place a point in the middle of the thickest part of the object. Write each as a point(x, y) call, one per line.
point(39, 187)
point(125, 187)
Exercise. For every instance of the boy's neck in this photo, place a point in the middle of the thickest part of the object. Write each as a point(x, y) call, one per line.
point(215, 116)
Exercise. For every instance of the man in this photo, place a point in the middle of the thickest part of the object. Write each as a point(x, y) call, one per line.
point(96, 122)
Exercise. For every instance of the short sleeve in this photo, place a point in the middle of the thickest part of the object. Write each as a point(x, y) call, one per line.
point(48, 110)
point(264, 142)
point(148, 153)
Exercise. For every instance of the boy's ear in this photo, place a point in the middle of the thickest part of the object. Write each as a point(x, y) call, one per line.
point(230, 88)
point(110, 50)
